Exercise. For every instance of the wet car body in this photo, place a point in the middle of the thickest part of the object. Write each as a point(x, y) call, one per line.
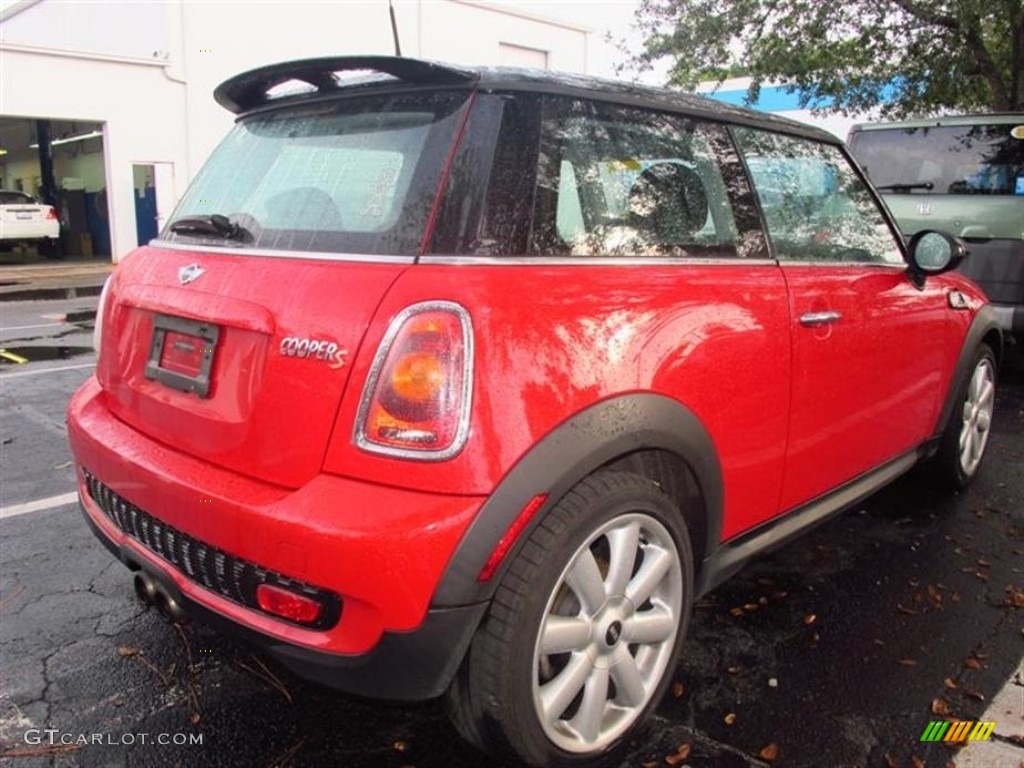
point(530, 325)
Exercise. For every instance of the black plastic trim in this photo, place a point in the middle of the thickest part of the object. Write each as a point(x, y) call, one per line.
point(248, 90)
point(200, 384)
point(732, 555)
point(403, 666)
point(592, 438)
point(984, 323)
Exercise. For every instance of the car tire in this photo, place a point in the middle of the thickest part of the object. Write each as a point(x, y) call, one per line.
point(552, 677)
point(966, 436)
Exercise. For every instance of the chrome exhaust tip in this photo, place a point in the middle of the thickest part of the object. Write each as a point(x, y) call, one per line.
point(170, 609)
point(145, 588)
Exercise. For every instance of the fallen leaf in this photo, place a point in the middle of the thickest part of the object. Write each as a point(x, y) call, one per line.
point(733, 670)
point(769, 753)
point(934, 594)
point(982, 576)
point(810, 618)
point(400, 746)
point(766, 582)
point(878, 642)
point(956, 597)
point(679, 755)
point(735, 611)
point(908, 662)
point(762, 600)
point(677, 689)
point(940, 706)
point(194, 718)
point(914, 583)
point(1016, 598)
point(903, 609)
point(890, 761)
point(972, 694)
point(730, 718)
point(778, 595)
point(971, 663)
point(949, 683)
point(983, 563)
point(916, 761)
point(126, 651)
point(750, 607)
point(649, 764)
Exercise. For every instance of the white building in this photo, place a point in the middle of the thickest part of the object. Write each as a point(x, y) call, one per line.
point(126, 88)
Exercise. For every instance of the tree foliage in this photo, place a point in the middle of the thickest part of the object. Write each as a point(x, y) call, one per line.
point(908, 57)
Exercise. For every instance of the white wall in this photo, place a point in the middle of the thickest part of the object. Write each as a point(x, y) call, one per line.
point(142, 111)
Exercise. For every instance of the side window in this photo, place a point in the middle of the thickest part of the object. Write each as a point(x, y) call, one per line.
point(815, 206)
point(615, 181)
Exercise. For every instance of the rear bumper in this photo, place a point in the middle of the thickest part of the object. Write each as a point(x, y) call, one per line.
point(381, 550)
point(30, 230)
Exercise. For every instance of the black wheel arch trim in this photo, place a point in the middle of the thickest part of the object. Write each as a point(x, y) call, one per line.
point(593, 438)
point(985, 323)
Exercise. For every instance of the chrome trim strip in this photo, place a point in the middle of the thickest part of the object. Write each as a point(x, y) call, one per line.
point(271, 253)
point(877, 264)
point(591, 261)
point(465, 397)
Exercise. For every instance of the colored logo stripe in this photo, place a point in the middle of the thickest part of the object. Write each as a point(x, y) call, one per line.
point(959, 730)
point(982, 731)
point(935, 730)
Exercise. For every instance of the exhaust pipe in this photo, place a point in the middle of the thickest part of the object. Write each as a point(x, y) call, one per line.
point(170, 609)
point(150, 592)
point(145, 588)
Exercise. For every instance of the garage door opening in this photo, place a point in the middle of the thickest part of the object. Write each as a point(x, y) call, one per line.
point(70, 178)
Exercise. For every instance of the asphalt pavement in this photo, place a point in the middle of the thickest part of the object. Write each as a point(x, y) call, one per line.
point(837, 650)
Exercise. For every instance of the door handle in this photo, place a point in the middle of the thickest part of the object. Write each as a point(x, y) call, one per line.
point(820, 318)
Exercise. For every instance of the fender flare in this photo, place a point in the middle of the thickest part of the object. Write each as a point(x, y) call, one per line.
point(984, 323)
point(594, 437)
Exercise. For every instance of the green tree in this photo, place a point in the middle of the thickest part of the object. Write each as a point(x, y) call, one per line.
point(909, 57)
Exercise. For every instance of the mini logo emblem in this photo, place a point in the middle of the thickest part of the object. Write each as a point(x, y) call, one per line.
point(190, 273)
point(925, 209)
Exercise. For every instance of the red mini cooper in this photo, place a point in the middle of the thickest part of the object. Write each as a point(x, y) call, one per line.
point(470, 382)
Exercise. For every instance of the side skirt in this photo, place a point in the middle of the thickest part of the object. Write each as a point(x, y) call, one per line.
point(732, 555)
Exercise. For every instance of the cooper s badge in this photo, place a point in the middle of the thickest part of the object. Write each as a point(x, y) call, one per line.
point(313, 349)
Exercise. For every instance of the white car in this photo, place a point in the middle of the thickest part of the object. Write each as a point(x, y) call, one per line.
point(23, 220)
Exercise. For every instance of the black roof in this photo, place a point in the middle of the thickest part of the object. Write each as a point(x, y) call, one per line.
point(248, 91)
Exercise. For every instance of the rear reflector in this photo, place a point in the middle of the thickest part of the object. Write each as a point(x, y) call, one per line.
point(511, 535)
point(287, 604)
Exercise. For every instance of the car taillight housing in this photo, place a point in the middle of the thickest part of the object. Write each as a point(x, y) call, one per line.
point(416, 401)
point(51, 213)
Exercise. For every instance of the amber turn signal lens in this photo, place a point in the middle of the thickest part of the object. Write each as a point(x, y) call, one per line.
point(417, 376)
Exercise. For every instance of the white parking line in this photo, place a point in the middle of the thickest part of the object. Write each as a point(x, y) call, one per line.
point(4, 329)
point(38, 505)
point(46, 370)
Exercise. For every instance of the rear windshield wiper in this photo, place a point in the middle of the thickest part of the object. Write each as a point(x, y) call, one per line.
point(905, 187)
point(213, 225)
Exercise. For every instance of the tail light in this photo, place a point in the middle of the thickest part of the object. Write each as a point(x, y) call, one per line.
point(287, 604)
point(417, 397)
point(97, 328)
point(51, 213)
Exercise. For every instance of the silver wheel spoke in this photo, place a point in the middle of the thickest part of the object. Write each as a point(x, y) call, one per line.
point(585, 580)
point(587, 721)
point(657, 563)
point(564, 633)
point(987, 395)
point(650, 626)
point(965, 432)
point(557, 694)
point(629, 685)
point(622, 543)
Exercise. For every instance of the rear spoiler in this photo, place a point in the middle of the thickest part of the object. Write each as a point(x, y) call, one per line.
point(248, 90)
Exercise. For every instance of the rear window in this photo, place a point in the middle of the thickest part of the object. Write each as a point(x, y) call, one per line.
point(15, 198)
point(355, 176)
point(953, 160)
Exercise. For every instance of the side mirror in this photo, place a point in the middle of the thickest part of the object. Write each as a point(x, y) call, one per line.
point(932, 253)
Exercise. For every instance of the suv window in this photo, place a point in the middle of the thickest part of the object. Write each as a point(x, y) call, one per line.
point(15, 198)
point(816, 207)
point(357, 175)
point(616, 181)
point(957, 160)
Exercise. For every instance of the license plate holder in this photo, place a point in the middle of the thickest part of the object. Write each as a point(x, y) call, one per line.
point(187, 371)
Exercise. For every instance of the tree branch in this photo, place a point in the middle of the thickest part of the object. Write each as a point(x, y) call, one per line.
point(929, 17)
